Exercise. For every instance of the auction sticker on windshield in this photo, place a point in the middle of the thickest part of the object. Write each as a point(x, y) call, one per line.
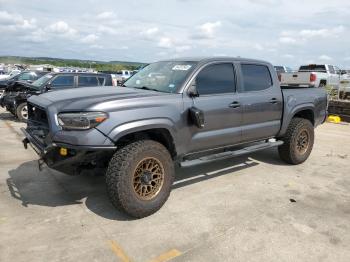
point(182, 67)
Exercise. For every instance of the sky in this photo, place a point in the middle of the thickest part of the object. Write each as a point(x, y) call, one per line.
point(283, 32)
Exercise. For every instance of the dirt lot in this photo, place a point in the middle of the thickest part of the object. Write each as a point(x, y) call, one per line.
point(253, 208)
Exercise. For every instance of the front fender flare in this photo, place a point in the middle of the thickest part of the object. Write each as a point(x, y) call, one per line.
point(143, 125)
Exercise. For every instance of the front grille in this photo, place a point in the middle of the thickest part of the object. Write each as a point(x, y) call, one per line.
point(37, 114)
point(38, 124)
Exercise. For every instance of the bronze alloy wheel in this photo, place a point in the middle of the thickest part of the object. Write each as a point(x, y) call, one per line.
point(148, 178)
point(302, 142)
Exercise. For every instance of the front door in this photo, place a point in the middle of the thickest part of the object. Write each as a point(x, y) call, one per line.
point(61, 82)
point(216, 85)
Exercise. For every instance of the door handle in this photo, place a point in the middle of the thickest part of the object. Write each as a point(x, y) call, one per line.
point(234, 104)
point(273, 101)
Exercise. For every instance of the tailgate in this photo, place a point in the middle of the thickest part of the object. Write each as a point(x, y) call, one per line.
point(299, 78)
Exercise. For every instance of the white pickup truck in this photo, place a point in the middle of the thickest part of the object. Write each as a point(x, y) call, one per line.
point(122, 76)
point(313, 76)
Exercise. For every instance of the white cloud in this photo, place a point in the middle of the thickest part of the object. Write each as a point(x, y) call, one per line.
point(288, 56)
point(207, 30)
point(150, 32)
point(107, 30)
point(89, 39)
point(182, 48)
point(302, 36)
point(165, 42)
point(61, 28)
point(12, 21)
point(325, 58)
point(324, 32)
point(287, 40)
point(258, 47)
point(105, 15)
point(37, 36)
point(96, 46)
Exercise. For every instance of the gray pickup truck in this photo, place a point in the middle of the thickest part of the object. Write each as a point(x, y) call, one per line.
point(182, 111)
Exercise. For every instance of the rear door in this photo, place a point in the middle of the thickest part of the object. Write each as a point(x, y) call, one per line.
point(216, 85)
point(88, 80)
point(261, 100)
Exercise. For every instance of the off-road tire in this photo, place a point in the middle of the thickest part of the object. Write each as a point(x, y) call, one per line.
point(289, 150)
point(120, 175)
point(19, 112)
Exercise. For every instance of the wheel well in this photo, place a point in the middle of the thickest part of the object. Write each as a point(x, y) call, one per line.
point(306, 114)
point(160, 135)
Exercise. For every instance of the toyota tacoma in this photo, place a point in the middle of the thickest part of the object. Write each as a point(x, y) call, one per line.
point(181, 111)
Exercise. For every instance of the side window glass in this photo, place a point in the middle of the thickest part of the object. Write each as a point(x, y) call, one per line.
point(62, 81)
point(331, 69)
point(216, 79)
point(256, 77)
point(88, 81)
point(25, 76)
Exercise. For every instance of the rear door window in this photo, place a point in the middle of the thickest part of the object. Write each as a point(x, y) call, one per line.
point(216, 79)
point(88, 81)
point(255, 77)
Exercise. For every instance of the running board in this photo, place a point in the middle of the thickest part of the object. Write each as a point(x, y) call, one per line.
point(230, 154)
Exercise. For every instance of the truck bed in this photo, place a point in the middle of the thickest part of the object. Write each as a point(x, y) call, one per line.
point(297, 97)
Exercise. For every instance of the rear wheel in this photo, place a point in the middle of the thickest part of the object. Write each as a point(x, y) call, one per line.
point(139, 178)
point(22, 112)
point(298, 141)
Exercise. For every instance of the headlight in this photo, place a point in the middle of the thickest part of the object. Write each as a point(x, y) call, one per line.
point(81, 121)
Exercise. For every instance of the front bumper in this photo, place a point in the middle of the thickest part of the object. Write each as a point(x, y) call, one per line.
point(77, 155)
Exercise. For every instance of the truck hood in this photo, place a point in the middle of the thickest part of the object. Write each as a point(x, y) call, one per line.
point(20, 86)
point(92, 98)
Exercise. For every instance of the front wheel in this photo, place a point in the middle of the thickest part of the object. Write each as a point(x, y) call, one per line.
point(22, 112)
point(139, 178)
point(298, 141)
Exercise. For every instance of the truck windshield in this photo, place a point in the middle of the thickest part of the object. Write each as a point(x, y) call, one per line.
point(315, 68)
point(41, 81)
point(161, 76)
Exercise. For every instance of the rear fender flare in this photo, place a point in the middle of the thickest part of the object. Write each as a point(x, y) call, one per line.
point(287, 116)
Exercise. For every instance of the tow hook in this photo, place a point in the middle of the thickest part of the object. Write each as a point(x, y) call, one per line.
point(25, 143)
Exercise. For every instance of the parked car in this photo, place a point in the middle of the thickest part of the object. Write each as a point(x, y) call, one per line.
point(313, 76)
point(122, 76)
point(24, 76)
point(283, 69)
point(11, 74)
point(185, 112)
point(15, 97)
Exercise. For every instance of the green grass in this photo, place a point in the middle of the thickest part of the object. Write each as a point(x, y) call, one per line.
point(97, 65)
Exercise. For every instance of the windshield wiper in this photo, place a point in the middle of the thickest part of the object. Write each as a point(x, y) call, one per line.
point(148, 88)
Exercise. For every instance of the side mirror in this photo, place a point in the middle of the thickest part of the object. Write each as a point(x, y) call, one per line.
point(48, 87)
point(192, 90)
point(197, 117)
